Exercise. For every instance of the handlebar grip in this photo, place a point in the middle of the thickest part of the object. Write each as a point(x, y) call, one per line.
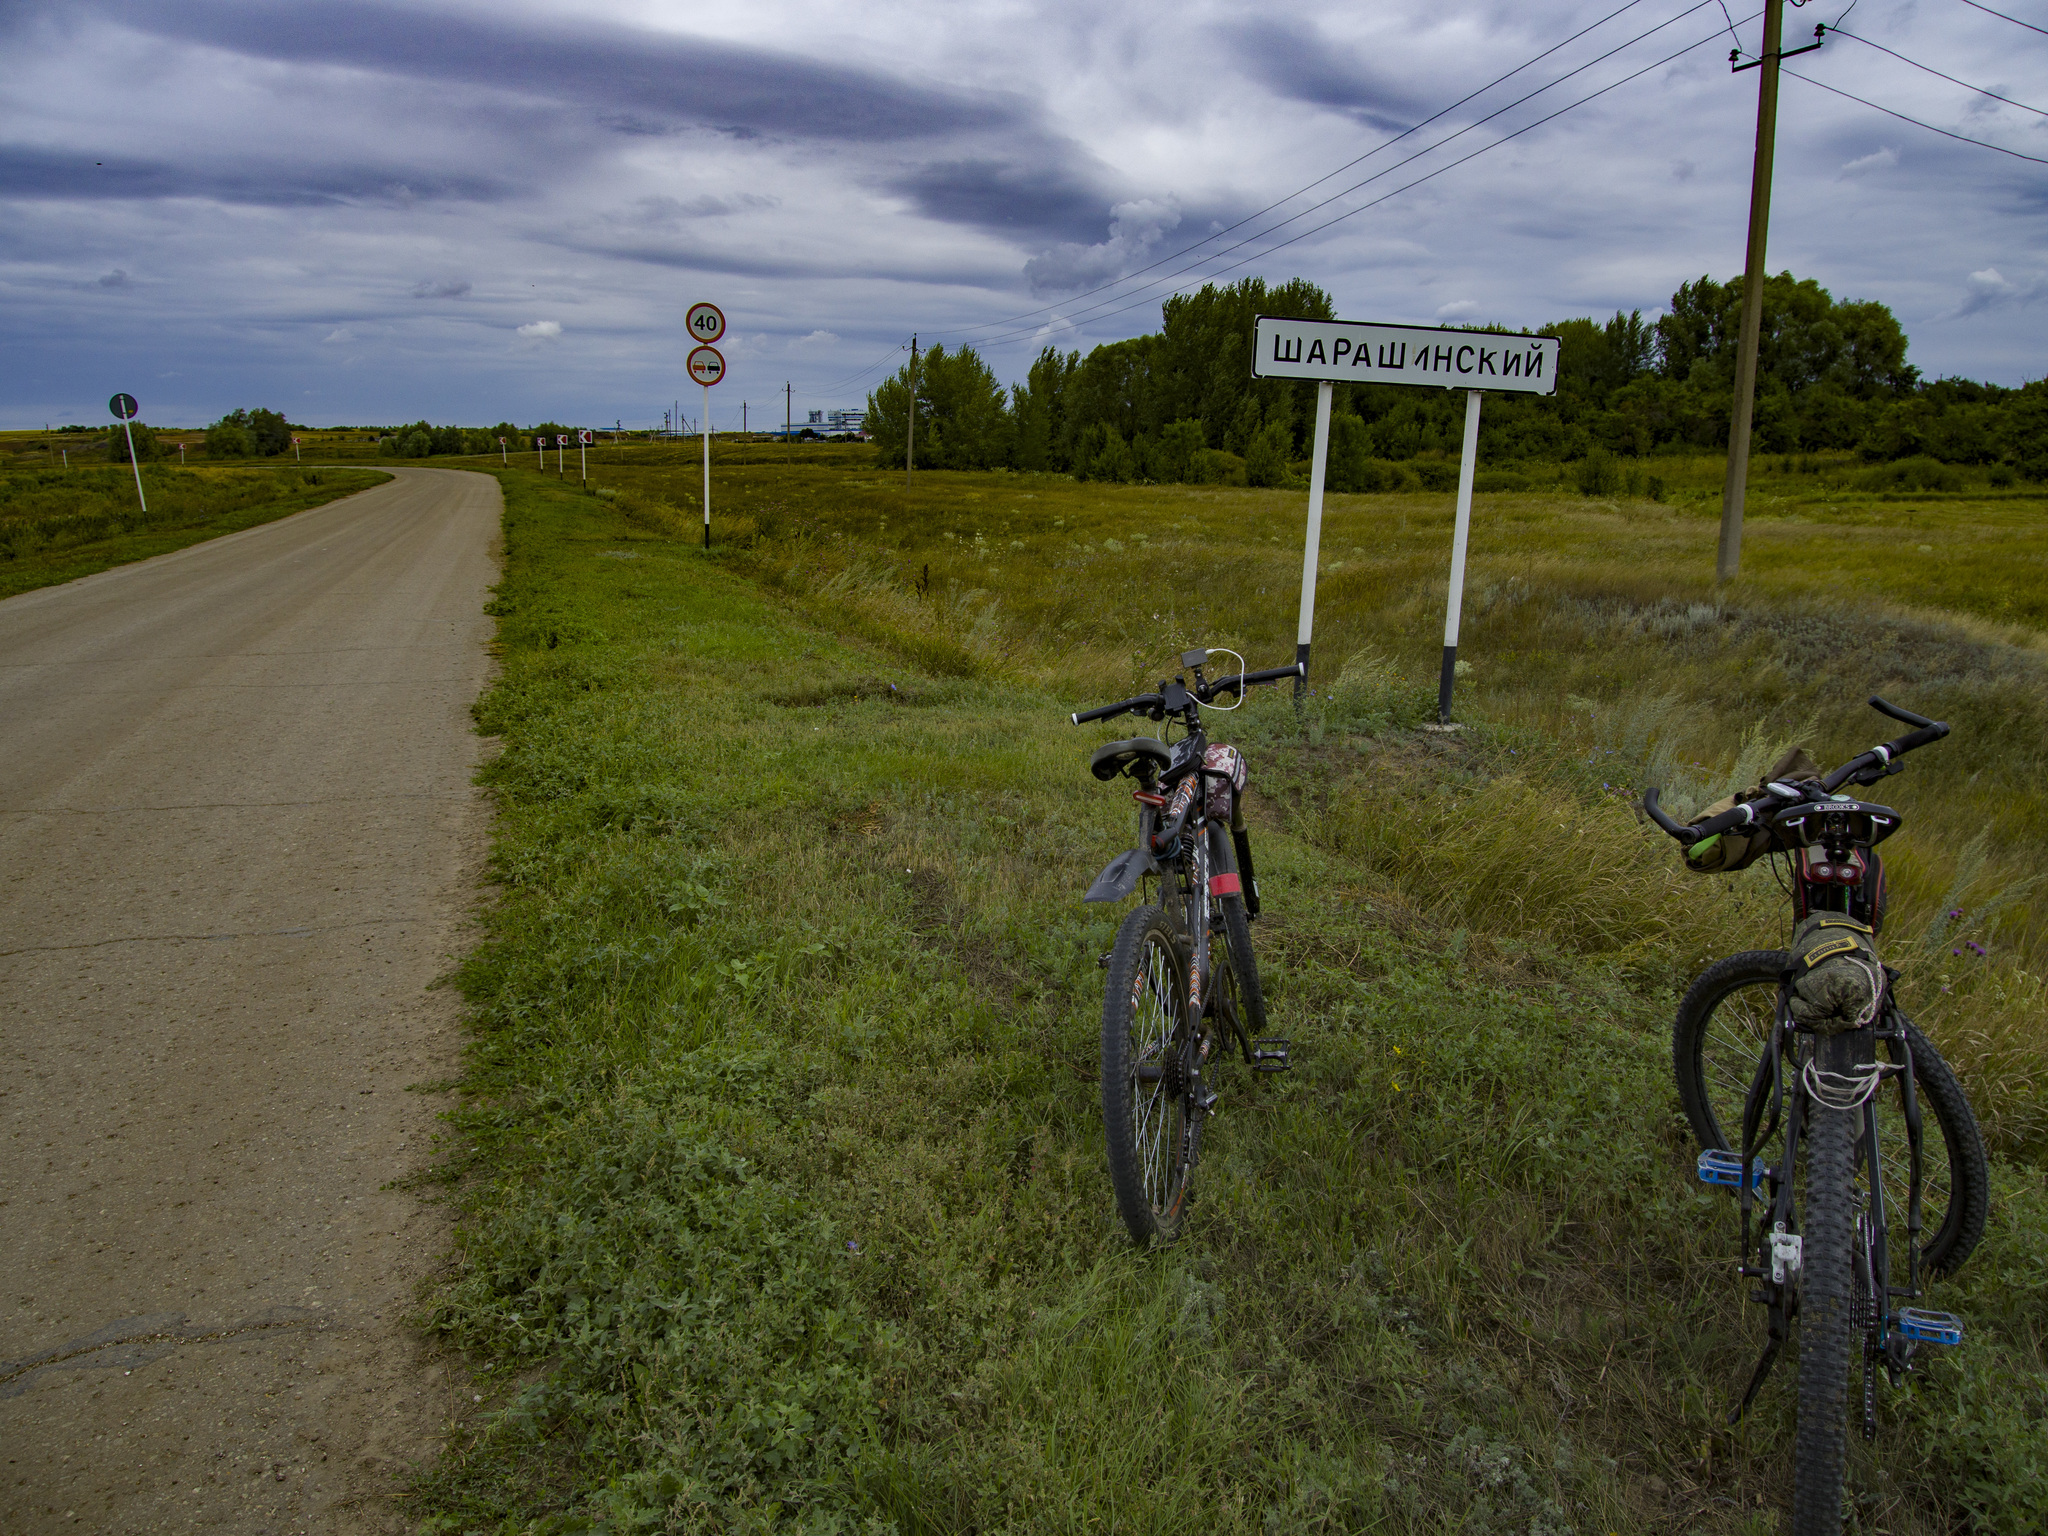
point(1903, 716)
point(1239, 681)
point(1107, 711)
point(1934, 731)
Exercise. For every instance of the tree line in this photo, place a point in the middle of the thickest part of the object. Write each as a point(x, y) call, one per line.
point(1180, 404)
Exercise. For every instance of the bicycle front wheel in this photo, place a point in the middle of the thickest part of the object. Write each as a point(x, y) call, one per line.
point(1723, 1028)
point(1154, 1133)
point(1827, 1318)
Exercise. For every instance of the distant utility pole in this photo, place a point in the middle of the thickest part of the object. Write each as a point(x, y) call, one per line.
point(785, 410)
point(910, 438)
point(1728, 559)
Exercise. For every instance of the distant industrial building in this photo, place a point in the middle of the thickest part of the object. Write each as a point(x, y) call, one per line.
point(846, 423)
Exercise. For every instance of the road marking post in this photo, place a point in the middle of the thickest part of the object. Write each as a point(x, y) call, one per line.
point(504, 454)
point(1357, 352)
point(540, 451)
point(1459, 537)
point(584, 438)
point(561, 448)
point(124, 406)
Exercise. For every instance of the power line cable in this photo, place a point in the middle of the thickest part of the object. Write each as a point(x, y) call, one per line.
point(1428, 176)
point(1973, 5)
point(1888, 112)
point(1340, 170)
point(1951, 79)
point(1092, 311)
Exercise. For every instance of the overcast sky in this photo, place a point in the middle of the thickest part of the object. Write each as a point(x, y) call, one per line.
point(373, 212)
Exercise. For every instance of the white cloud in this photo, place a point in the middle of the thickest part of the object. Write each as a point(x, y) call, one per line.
point(541, 330)
point(1992, 289)
point(1458, 309)
point(340, 334)
point(1882, 159)
point(1134, 228)
point(818, 338)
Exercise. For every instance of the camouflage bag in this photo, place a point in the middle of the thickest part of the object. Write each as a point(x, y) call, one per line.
point(1730, 851)
point(1837, 978)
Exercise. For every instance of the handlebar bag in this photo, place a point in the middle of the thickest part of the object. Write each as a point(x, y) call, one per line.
point(1223, 791)
point(1731, 851)
point(1837, 977)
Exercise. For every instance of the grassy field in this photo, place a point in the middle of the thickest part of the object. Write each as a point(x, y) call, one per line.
point(61, 524)
point(783, 1197)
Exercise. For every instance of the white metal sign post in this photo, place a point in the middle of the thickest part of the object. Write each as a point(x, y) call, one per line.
point(707, 367)
point(561, 448)
point(1343, 351)
point(540, 451)
point(124, 407)
point(584, 439)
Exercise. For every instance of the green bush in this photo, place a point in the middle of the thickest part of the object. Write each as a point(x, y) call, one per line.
point(1499, 480)
point(1598, 474)
point(147, 449)
point(1919, 473)
point(1266, 456)
point(229, 439)
point(1434, 474)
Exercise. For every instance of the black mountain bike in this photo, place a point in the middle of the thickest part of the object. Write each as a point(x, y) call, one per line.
point(1183, 985)
point(1808, 1090)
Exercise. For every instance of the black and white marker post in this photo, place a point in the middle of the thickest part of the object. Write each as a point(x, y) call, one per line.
point(1351, 352)
point(124, 407)
point(706, 364)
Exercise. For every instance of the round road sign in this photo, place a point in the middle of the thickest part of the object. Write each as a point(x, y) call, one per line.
point(705, 323)
point(123, 407)
point(707, 365)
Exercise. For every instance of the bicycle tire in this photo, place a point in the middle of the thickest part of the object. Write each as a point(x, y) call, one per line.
point(1153, 1140)
point(1827, 1317)
point(1249, 1021)
point(1723, 1026)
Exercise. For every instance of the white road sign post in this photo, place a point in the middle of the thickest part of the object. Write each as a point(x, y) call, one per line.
point(540, 451)
point(561, 448)
point(124, 407)
point(584, 439)
point(1350, 352)
point(707, 366)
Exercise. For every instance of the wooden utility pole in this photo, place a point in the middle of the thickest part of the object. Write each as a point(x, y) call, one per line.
point(910, 439)
point(1728, 560)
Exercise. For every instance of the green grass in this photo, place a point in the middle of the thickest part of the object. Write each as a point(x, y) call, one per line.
point(58, 525)
point(783, 1200)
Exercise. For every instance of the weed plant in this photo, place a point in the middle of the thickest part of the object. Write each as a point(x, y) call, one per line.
point(779, 1151)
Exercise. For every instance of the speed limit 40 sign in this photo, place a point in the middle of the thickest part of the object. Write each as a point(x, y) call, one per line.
point(705, 323)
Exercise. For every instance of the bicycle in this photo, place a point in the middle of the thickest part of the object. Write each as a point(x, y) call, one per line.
point(1781, 1046)
point(1174, 997)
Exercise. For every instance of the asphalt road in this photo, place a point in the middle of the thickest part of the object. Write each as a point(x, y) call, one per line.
point(238, 841)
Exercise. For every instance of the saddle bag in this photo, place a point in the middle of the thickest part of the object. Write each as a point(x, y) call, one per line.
point(1223, 792)
point(1837, 979)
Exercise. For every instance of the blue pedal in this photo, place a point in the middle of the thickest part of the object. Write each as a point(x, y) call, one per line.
point(1930, 1327)
point(1718, 1165)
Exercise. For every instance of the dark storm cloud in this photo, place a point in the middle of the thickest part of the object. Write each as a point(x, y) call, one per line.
point(643, 82)
point(75, 176)
point(1009, 196)
point(1297, 62)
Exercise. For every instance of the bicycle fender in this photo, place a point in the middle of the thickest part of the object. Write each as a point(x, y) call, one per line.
point(1122, 876)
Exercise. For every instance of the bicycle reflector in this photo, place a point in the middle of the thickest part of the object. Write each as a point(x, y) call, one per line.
point(1930, 1327)
point(1718, 1165)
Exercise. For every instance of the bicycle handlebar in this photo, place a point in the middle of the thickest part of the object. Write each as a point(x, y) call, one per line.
point(1752, 812)
point(1236, 683)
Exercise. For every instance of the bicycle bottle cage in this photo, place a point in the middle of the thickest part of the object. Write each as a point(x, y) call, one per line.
point(1115, 757)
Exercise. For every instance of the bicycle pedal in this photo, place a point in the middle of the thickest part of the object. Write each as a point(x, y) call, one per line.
point(1929, 1327)
point(1718, 1165)
point(1206, 1103)
point(1271, 1055)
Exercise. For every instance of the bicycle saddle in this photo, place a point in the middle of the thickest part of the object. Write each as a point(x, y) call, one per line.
point(1115, 757)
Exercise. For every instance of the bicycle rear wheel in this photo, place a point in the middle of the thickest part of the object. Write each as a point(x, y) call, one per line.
point(1723, 1027)
point(1154, 1133)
